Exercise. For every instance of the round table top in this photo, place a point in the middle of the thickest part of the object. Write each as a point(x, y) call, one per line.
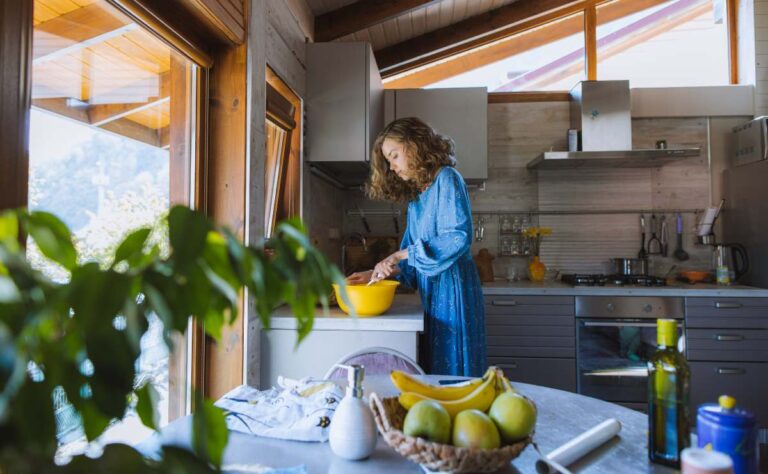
point(561, 417)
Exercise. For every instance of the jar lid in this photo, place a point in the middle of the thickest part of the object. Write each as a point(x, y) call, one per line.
point(726, 413)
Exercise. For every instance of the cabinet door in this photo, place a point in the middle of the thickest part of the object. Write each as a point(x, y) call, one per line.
point(746, 382)
point(553, 373)
point(460, 113)
point(337, 102)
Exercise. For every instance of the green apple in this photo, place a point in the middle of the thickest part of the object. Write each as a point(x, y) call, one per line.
point(429, 420)
point(473, 429)
point(514, 415)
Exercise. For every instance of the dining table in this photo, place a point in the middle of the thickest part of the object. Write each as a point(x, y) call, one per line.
point(561, 416)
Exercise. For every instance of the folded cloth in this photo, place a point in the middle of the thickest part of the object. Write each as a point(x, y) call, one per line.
point(301, 411)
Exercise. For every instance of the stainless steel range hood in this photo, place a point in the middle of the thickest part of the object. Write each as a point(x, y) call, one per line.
point(600, 110)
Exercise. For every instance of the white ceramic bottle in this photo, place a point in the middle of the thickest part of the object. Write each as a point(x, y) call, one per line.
point(353, 431)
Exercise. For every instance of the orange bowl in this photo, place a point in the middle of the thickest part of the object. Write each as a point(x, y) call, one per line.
point(695, 276)
point(368, 300)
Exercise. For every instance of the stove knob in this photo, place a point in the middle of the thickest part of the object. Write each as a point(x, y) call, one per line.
point(648, 308)
point(609, 307)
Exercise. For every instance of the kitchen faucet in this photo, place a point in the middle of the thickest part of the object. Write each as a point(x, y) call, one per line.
point(352, 237)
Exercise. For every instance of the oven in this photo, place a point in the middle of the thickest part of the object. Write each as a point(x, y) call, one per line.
point(615, 337)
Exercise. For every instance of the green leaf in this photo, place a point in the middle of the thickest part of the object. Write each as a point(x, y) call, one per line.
point(145, 407)
point(209, 431)
point(187, 231)
point(94, 422)
point(53, 238)
point(32, 417)
point(116, 459)
point(9, 226)
point(131, 248)
point(180, 461)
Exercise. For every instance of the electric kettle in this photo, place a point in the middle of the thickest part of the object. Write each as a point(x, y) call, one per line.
point(731, 258)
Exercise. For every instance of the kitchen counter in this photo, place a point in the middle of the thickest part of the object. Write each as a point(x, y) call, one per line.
point(556, 288)
point(405, 314)
point(335, 336)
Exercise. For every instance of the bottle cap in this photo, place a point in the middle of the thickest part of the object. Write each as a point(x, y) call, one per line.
point(355, 374)
point(666, 332)
point(726, 402)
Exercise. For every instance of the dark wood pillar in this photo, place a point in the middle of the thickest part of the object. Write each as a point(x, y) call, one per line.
point(15, 99)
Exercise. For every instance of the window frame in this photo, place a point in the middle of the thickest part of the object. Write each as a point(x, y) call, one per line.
point(284, 108)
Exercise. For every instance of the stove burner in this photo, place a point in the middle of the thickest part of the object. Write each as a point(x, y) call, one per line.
point(580, 279)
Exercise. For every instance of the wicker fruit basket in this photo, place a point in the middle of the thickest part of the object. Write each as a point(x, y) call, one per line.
point(389, 415)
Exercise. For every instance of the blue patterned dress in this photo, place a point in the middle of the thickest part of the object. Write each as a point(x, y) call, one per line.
point(440, 266)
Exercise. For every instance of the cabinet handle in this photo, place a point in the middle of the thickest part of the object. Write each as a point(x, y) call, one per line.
point(511, 365)
point(504, 303)
point(722, 305)
point(730, 371)
point(729, 337)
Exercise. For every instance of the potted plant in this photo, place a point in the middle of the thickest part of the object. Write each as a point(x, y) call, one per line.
point(536, 268)
point(82, 335)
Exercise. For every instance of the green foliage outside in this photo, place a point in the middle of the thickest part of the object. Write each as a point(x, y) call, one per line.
point(96, 317)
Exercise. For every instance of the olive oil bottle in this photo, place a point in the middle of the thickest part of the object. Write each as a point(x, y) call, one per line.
point(668, 388)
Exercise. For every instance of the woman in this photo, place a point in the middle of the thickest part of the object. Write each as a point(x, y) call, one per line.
point(411, 162)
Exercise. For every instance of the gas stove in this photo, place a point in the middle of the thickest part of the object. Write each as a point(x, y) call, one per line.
point(581, 279)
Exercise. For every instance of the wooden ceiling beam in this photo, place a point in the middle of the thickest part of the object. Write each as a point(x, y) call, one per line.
point(78, 111)
point(78, 29)
point(520, 38)
point(430, 44)
point(361, 15)
point(130, 129)
point(99, 114)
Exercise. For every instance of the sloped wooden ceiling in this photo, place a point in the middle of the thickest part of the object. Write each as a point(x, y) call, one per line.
point(406, 34)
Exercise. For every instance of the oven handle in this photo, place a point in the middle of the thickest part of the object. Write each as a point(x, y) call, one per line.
point(618, 373)
point(621, 325)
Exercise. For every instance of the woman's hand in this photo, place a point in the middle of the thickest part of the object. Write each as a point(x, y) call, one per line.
point(360, 278)
point(389, 266)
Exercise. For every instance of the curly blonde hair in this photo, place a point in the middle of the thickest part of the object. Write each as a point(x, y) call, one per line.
point(428, 152)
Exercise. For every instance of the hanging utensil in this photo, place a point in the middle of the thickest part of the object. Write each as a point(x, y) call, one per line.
point(365, 221)
point(654, 244)
point(663, 237)
point(642, 253)
point(680, 254)
point(395, 221)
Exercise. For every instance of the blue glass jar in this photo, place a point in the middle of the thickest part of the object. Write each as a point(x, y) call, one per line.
point(730, 430)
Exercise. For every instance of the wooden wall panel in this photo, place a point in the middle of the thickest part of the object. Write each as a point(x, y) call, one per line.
point(226, 197)
point(15, 97)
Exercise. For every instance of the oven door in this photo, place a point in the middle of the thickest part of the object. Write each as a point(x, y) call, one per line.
point(612, 359)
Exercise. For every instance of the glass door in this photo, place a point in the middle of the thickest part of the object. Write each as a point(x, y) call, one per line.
point(612, 355)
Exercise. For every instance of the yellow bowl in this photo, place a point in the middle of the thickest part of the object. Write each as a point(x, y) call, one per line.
point(368, 300)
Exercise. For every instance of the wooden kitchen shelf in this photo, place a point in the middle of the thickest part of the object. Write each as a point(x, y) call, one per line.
point(553, 160)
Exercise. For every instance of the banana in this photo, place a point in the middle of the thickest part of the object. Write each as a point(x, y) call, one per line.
point(502, 382)
point(408, 383)
point(481, 398)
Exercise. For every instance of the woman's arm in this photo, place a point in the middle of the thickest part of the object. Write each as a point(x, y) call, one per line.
point(454, 228)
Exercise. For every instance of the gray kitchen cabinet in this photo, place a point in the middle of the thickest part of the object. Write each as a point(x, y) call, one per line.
point(747, 382)
point(460, 113)
point(532, 338)
point(344, 108)
point(727, 349)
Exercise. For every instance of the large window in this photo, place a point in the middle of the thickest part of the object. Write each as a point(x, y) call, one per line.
point(653, 43)
point(674, 43)
point(110, 150)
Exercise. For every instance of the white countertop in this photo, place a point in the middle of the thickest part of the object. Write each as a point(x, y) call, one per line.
point(405, 314)
point(561, 289)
